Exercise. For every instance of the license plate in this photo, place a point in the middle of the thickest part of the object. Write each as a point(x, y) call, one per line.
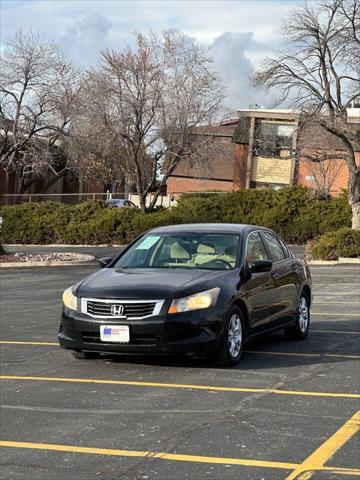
point(115, 333)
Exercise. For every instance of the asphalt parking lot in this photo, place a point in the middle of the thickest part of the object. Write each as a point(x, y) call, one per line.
point(288, 411)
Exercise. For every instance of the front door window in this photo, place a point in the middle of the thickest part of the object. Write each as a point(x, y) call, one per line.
point(255, 249)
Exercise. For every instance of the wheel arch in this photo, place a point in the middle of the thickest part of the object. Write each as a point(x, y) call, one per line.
point(307, 290)
point(244, 310)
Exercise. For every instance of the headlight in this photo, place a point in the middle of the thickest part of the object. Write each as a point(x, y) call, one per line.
point(195, 302)
point(69, 299)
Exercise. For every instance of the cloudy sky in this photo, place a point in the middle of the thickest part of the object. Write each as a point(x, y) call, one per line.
point(239, 33)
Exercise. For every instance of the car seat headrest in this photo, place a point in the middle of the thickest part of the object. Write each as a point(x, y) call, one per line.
point(178, 252)
point(205, 248)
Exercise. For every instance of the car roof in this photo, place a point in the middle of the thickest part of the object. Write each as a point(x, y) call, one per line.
point(234, 228)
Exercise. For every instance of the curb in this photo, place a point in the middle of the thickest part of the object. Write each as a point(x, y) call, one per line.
point(340, 261)
point(90, 260)
point(322, 262)
point(356, 261)
point(45, 264)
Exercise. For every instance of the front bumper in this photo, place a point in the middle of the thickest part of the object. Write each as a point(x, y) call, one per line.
point(196, 332)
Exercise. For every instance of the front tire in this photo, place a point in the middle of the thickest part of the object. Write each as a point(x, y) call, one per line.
point(232, 341)
point(301, 328)
point(86, 355)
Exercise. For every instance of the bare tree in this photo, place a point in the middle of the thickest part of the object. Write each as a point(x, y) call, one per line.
point(319, 75)
point(97, 147)
point(38, 100)
point(325, 169)
point(149, 101)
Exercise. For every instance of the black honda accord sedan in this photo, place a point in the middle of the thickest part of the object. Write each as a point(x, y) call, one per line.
point(201, 289)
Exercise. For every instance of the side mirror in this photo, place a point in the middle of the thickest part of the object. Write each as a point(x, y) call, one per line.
point(261, 266)
point(104, 261)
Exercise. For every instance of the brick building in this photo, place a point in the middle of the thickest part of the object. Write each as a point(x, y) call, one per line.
point(316, 142)
point(266, 148)
point(66, 188)
point(259, 149)
point(221, 168)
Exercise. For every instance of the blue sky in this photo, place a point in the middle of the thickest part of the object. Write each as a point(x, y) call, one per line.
point(239, 33)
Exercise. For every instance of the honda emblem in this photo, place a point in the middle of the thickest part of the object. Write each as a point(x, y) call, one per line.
point(117, 310)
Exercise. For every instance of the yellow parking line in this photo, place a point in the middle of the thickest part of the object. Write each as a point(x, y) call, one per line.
point(8, 342)
point(169, 456)
point(183, 386)
point(322, 454)
point(335, 331)
point(301, 354)
point(297, 354)
point(149, 454)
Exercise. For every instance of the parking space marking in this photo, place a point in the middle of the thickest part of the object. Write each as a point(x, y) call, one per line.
point(343, 280)
point(182, 386)
point(334, 294)
point(337, 314)
point(150, 454)
point(342, 284)
point(171, 456)
point(301, 354)
point(322, 454)
point(338, 275)
point(335, 331)
point(297, 354)
point(337, 303)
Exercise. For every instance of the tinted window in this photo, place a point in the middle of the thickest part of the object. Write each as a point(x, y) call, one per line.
point(255, 249)
point(273, 246)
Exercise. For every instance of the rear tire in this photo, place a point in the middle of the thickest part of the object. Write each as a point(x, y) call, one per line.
point(232, 341)
point(86, 355)
point(301, 328)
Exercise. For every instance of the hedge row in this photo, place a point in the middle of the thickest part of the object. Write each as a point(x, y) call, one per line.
point(292, 212)
point(332, 245)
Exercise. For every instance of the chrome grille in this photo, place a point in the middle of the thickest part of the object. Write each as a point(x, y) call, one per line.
point(99, 308)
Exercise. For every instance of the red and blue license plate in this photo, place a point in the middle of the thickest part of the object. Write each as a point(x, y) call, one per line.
point(115, 333)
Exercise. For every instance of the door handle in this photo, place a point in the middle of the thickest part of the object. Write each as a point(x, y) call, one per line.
point(274, 275)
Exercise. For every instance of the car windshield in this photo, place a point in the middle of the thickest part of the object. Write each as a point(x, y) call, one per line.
point(182, 250)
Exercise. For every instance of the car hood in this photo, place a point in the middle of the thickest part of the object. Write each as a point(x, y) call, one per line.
point(154, 284)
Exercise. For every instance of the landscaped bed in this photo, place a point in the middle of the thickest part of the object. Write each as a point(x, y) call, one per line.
point(342, 243)
point(14, 259)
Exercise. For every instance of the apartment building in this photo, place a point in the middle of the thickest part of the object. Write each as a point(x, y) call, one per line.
point(266, 148)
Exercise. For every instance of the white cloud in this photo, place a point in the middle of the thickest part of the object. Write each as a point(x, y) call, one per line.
point(239, 33)
point(233, 63)
point(83, 39)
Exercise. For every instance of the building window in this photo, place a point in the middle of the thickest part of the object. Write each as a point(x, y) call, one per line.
point(27, 170)
point(273, 139)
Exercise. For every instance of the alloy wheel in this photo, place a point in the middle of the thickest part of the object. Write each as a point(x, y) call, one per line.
point(235, 335)
point(303, 314)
